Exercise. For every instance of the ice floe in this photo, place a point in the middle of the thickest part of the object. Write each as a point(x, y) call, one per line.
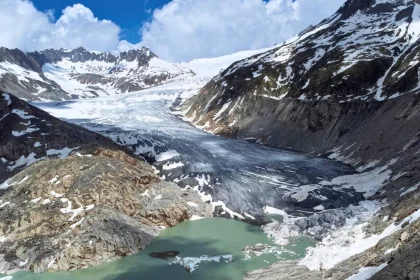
point(192, 263)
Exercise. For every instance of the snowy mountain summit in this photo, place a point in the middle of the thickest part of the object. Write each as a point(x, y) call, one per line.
point(366, 51)
point(66, 74)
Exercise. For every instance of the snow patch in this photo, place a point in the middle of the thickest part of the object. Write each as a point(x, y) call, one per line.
point(167, 155)
point(24, 161)
point(366, 273)
point(169, 166)
point(62, 154)
point(6, 97)
point(192, 204)
point(196, 218)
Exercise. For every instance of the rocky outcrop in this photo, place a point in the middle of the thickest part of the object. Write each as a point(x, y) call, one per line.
point(285, 270)
point(64, 214)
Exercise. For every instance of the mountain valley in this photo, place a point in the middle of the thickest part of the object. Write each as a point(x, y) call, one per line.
point(312, 145)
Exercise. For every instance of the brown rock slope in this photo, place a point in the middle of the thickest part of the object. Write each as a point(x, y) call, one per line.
point(63, 214)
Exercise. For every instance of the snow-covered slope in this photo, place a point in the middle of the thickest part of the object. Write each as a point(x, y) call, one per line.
point(368, 50)
point(69, 74)
point(65, 74)
point(210, 67)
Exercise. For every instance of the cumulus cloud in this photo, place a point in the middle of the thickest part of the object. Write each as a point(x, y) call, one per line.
point(187, 29)
point(23, 26)
point(179, 31)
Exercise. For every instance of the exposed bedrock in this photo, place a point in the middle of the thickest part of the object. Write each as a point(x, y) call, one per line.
point(65, 214)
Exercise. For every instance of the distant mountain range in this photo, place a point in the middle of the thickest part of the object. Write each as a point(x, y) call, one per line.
point(68, 74)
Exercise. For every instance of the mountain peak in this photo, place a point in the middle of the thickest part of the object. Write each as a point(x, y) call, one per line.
point(142, 55)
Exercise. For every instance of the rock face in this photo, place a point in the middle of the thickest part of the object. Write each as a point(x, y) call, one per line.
point(285, 270)
point(69, 74)
point(348, 89)
point(64, 214)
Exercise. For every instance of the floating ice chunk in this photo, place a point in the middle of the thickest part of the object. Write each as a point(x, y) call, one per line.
point(192, 263)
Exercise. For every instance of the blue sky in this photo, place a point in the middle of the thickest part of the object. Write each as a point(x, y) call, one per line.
point(176, 30)
point(128, 14)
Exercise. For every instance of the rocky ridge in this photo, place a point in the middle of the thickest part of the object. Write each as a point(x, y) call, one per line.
point(29, 134)
point(69, 74)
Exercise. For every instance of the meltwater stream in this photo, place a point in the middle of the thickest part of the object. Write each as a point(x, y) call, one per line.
point(240, 176)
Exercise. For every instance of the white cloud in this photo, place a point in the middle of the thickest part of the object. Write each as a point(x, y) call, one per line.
point(187, 29)
point(23, 26)
point(179, 31)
